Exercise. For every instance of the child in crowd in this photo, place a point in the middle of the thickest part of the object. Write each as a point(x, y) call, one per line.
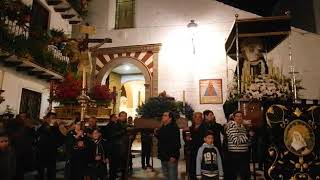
point(80, 154)
point(100, 152)
point(209, 164)
point(7, 158)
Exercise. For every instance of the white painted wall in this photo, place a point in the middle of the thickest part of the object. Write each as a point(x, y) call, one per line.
point(179, 69)
point(306, 58)
point(14, 82)
point(127, 78)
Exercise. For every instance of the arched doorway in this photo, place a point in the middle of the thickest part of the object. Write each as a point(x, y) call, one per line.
point(144, 57)
point(132, 81)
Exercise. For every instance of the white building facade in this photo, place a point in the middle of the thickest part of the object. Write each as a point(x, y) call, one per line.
point(179, 68)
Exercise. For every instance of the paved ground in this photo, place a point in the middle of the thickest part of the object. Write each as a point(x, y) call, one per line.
point(139, 173)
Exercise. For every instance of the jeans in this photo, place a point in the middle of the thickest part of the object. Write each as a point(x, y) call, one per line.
point(170, 170)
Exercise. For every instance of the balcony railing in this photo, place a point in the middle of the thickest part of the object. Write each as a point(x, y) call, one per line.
point(19, 39)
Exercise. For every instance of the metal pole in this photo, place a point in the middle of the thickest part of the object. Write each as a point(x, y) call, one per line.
point(292, 71)
point(238, 60)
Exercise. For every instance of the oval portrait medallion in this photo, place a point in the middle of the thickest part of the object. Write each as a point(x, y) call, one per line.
point(299, 138)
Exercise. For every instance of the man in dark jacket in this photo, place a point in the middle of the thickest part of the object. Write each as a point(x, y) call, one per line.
point(49, 138)
point(197, 133)
point(22, 136)
point(168, 146)
point(114, 134)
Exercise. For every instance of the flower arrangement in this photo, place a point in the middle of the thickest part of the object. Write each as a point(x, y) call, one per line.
point(263, 87)
point(67, 91)
point(101, 94)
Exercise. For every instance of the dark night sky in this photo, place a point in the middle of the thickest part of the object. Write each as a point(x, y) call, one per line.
point(302, 11)
point(260, 7)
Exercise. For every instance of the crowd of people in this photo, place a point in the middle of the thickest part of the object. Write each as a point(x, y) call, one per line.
point(212, 150)
point(89, 149)
point(208, 157)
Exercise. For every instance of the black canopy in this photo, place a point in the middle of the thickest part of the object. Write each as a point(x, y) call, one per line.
point(272, 30)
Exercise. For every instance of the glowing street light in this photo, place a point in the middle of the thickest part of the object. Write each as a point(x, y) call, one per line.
point(192, 26)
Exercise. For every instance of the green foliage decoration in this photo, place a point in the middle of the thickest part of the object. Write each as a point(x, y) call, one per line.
point(156, 106)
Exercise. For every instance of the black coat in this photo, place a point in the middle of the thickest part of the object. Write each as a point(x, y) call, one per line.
point(168, 142)
point(22, 140)
point(79, 158)
point(197, 135)
point(101, 149)
point(217, 130)
point(114, 132)
point(49, 138)
point(7, 164)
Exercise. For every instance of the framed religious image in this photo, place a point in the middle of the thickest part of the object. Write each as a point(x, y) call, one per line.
point(299, 138)
point(210, 91)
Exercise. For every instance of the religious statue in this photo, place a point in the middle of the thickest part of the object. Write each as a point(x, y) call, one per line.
point(80, 52)
point(253, 63)
point(85, 61)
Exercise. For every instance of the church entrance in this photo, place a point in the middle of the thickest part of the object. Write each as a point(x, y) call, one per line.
point(133, 70)
point(129, 83)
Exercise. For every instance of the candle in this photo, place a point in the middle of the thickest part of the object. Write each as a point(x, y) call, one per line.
point(51, 89)
point(184, 98)
point(1, 78)
point(138, 98)
point(83, 78)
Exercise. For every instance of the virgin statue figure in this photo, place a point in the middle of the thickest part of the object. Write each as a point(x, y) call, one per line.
point(254, 63)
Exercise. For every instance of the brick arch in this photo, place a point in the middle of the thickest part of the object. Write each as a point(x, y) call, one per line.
point(145, 57)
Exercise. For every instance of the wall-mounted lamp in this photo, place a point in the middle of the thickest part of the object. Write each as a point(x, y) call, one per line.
point(192, 26)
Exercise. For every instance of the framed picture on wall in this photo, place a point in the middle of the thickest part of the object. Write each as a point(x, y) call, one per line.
point(210, 91)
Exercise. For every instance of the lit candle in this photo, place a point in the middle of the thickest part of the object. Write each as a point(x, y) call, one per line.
point(84, 78)
point(184, 98)
point(1, 78)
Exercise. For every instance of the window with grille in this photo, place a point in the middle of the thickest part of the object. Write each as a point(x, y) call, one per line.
point(125, 10)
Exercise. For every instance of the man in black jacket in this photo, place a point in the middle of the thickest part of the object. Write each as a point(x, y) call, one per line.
point(168, 146)
point(114, 133)
point(49, 138)
point(22, 136)
point(197, 133)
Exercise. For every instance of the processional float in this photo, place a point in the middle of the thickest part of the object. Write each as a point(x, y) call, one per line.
point(290, 126)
